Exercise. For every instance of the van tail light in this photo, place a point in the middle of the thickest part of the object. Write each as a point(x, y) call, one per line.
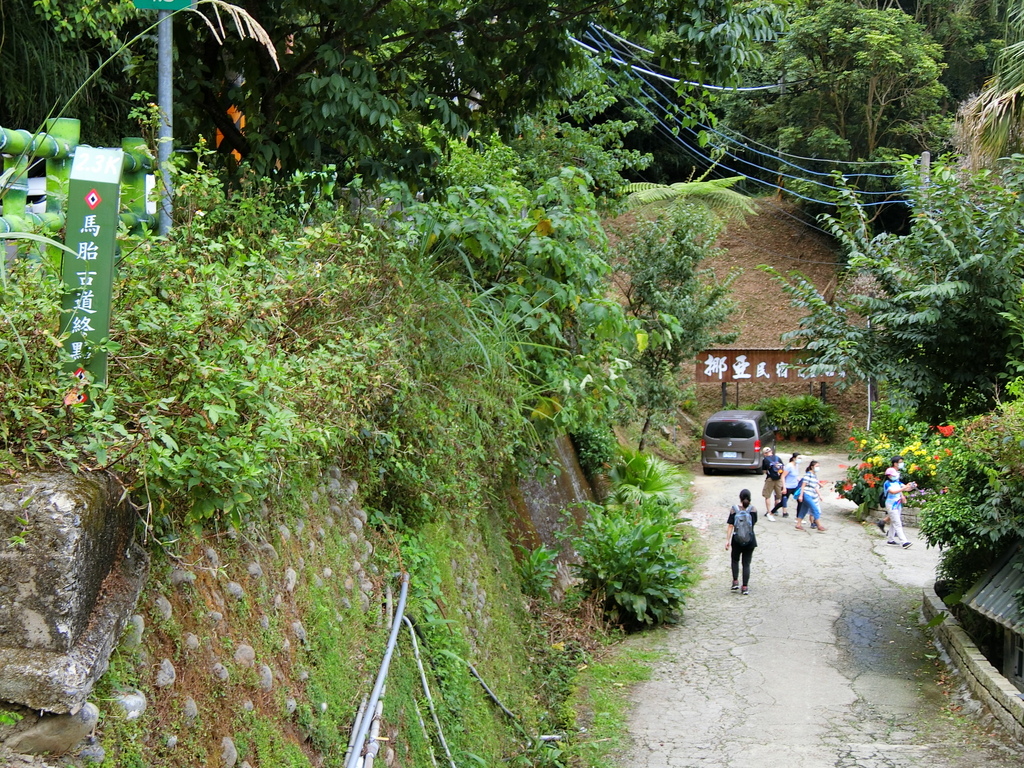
point(757, 446)
point(703, 445)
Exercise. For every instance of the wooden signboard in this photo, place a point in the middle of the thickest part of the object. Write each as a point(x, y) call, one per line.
point(781, 365)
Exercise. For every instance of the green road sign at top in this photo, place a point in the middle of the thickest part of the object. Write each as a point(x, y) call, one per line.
point(162, 5)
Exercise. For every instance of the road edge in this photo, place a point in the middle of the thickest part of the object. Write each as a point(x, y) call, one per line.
point(999, 695)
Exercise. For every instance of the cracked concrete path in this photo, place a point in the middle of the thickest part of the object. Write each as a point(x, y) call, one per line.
point(823, 665)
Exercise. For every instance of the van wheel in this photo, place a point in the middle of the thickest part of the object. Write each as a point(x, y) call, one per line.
point(708, 471)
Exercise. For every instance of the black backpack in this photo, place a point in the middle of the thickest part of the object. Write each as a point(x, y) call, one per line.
point(774, 468)
point(884, 492)
point(742, 526)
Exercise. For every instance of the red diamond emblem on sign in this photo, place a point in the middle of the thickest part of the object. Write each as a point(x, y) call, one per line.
point(93, 199)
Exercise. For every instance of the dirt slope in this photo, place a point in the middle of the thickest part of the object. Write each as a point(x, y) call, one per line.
point(781, 237)
point(785, 238)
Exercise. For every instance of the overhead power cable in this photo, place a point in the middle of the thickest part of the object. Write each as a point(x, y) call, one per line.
point(598, 36)
point(656, 100)
point(673, 135)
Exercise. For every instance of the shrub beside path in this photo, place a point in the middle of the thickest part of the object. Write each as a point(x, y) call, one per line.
point(824, 665)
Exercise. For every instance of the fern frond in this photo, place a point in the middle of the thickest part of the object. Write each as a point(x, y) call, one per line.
point(716, 195)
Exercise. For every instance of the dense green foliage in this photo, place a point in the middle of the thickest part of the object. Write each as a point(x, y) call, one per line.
point(638, 478)
point(633, 552)
point(982, 510)
point(251, 342)
point(801, 417)
point(378, 88)
point(632, 558)
point(51, 47)
point(942, 300)
point(864, 84)
point(680, 305)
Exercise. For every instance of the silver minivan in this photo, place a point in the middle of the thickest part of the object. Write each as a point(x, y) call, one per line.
point(734, 440)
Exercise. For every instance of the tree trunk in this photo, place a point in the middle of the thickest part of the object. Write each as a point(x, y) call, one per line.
point(643, 432)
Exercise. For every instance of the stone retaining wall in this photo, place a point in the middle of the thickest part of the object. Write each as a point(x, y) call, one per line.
point(985, 681)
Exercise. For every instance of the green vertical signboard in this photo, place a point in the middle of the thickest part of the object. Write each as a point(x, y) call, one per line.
point(93, 203)
point(162, 5)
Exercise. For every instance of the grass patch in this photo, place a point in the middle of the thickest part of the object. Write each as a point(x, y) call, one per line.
point(601, 701)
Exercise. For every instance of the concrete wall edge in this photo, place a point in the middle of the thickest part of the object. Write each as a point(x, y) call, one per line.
point(998, 694)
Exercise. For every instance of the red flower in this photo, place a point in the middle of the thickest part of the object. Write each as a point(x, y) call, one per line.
point(848, 486)
point(863, 465)
point(870, 480)
point(946, 430)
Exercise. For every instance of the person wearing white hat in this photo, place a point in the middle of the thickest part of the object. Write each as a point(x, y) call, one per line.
point(894, 489)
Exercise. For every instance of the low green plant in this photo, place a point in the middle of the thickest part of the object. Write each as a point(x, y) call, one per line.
point(19, 539)
point(633, 558)
point(595, 447)
point(10, 718)
point(638, 477)
point(801, 417)
point(537, 570)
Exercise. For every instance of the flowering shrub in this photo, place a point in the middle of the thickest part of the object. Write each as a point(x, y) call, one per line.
point(922, 448)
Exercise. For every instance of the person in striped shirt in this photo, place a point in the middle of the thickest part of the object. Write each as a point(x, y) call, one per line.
point(809, 498)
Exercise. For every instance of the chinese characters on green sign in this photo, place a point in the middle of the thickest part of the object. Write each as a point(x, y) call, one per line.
point(93, 203)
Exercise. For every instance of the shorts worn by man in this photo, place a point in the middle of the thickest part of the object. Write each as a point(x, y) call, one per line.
point(773, 467)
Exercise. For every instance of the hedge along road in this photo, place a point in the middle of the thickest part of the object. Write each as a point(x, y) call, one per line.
point(823, 665)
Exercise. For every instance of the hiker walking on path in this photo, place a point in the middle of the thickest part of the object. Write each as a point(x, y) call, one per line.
point(791, 476)
point(895, 464)
point(773, 470)
point(810, 499)
point(841, 659)
point(739, 534)
point(894, 488)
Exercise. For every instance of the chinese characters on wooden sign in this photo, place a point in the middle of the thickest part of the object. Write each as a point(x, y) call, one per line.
point(775, 365)
point(93, 203)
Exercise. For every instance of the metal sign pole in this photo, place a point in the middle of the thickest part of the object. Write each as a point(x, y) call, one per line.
point(165, 100)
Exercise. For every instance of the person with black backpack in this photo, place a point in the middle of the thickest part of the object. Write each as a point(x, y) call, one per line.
point(773, 468)
point(739, 535)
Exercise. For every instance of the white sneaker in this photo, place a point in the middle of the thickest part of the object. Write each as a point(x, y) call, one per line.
point(769, 516)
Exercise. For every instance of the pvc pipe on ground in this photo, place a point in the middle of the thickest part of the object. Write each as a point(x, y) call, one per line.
point(364, 726)
point(426, 690)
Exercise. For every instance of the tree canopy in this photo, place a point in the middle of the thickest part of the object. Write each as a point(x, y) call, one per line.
point(858, 83)
point(934, 313)
point(377, 87)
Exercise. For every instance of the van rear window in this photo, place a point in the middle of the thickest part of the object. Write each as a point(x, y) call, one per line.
point(730, 429)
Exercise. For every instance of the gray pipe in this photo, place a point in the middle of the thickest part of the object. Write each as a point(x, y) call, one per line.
point(374, 748)
point(426, 690)
point(355, 728)
point(364, 726)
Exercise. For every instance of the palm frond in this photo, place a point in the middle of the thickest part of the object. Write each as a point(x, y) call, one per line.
point(637, 476)
point(991, 125)
point(245, 24)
